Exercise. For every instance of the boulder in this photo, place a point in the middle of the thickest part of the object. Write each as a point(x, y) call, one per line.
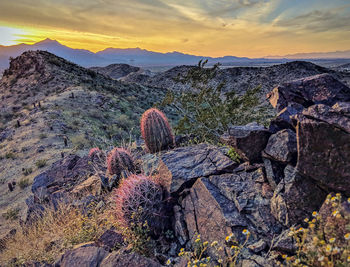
point(282, 146)
point(180, 167)
point(82, 256)
point(62, 176)
point(317, 89)
point(219, 205)
point(110, 239)
point(122, 259)
point(274, 171)
point(295, 197)
point(283, 119)
point(323, 135)
point(248, 140)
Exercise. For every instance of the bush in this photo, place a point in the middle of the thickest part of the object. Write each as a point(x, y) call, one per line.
point(325, 239)
point(207, 112)
point(23, 183)
point(41, 163)
point(11, 214)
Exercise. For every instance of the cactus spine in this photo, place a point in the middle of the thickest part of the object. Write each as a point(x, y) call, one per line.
point(119, 160)
point(156, 131)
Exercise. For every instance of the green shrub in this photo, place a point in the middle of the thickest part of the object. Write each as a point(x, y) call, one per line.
point(207, 112)
point(41, 163)
point(27, 171)
point(11, 214)
point(23, 183)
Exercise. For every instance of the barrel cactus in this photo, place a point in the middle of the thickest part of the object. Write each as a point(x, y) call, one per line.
point(141, 199)
point(95, 154)
point(156, 131)
point(119, 160)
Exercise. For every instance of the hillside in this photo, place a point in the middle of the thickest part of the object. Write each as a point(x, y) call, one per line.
point(116, 71)
point(240, 78)
point(76, 104)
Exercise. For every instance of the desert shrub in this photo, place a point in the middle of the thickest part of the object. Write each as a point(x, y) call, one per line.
point(11, 214)
point(325, 238)
point(23, 183)
point(80, 142)
point(156, 131)
point(141, 199)
point(10, 155)
point(41, 163)
point(198, 256)
point(54, 232)
point(207, 112)
point(42, 136)
point(27, 171)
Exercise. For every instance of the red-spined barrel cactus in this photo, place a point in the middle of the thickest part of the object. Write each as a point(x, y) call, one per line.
point(95, 154)
point(119, 160)
point(141, 199)
point(156, 131)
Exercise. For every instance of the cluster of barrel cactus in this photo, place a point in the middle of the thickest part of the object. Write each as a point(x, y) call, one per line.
point(140, 198)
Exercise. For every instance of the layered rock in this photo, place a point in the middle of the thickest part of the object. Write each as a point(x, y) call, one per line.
point(318, 89)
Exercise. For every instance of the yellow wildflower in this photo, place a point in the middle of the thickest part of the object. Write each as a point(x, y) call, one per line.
point(284, 256)
point(347, 236)
point(312, 226)
point(205, 243)
point(314, 214)
point(215, 243)
point(328, 248)
point(335, 212)
point(336, 250)
point(306, 220)
point(168, 262)
point(197, 240)
point(332, 240)
point(245, 232)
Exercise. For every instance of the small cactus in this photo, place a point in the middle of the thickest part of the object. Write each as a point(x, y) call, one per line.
point(156, 131)
point(119, 160)
point(141, 199)
point(95, 154)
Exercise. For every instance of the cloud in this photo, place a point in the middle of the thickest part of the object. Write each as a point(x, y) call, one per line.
point(206, 27)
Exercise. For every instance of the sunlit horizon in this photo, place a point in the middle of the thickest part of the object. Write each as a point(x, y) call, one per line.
point(244, 28)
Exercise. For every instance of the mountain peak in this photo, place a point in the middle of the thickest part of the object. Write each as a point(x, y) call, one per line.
point(47, 41)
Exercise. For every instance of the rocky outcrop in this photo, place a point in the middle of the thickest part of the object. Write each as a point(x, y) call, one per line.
point(323, 135)
point(318, 89)
point(248, 140)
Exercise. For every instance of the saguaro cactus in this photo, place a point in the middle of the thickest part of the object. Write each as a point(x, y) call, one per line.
point(156, 131)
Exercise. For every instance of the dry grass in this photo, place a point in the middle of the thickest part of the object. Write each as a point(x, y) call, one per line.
point(55, 232)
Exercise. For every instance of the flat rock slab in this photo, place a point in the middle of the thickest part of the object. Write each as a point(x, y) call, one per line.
point(323, 135)
point(317, 89)
point(118, 259)
point(182, 166)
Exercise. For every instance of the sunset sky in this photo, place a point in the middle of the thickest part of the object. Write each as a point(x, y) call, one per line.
point(252, 28)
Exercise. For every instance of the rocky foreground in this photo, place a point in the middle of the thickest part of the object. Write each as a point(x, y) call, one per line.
point(280, 177)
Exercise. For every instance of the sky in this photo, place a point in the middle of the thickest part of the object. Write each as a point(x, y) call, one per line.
point(252, 28)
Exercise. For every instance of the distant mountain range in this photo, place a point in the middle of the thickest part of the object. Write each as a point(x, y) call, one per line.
point(315, 55)
point(141, 57)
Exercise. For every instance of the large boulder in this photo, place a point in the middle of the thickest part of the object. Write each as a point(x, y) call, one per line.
point(248, 140)
point(219, 205)
point(323, 135)
point(317, 89)
point(295, 197)
point(283, 119)
point(180, 167)
point(282, 146)
point(82, 256)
